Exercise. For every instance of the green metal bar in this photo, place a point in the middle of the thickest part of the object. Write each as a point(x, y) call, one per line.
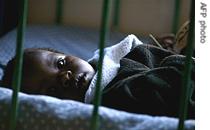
point(103, 33)
point(187, 71)
point(176, 16)
point(59, 7)
point(18, 64)
point(116, 15)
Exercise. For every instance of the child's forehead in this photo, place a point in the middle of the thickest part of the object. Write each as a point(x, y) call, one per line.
point(35, 54)
point(41, 51)
point(44, 49)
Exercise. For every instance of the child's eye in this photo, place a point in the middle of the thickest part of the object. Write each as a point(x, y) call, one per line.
point(61, 63)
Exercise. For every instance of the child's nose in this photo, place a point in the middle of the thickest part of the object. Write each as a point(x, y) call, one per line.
point(66, 78)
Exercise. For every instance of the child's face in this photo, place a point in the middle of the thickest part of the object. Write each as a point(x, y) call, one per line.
point(56, 74)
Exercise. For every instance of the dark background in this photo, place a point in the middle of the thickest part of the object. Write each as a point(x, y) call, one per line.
point(8, 15)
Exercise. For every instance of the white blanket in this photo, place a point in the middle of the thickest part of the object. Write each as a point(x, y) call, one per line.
point(111, 63)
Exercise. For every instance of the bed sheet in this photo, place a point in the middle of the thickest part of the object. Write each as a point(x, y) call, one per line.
point(37, 112)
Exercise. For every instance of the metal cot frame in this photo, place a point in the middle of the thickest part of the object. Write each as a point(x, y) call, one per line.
point(103, 30)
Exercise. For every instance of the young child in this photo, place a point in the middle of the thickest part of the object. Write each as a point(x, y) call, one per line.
point(137, 77)
point(53, 73)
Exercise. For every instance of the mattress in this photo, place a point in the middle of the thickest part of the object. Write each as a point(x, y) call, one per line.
point(38, 112)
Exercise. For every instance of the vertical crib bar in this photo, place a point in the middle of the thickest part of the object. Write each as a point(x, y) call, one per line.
point(176, 16)
point(187, 72)
point(58, 16)
point(97, 96)
point(116, 15)
point(18, 64)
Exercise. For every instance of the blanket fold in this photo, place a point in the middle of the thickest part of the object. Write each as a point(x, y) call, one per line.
point(149, 81)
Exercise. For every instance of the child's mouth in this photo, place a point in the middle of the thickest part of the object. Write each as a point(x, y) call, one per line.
point(81, 80)
point(78, 82)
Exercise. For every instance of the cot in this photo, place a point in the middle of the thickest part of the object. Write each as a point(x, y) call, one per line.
point(63, 118)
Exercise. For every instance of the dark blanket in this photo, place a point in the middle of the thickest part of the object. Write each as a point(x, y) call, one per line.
point(149, 82)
